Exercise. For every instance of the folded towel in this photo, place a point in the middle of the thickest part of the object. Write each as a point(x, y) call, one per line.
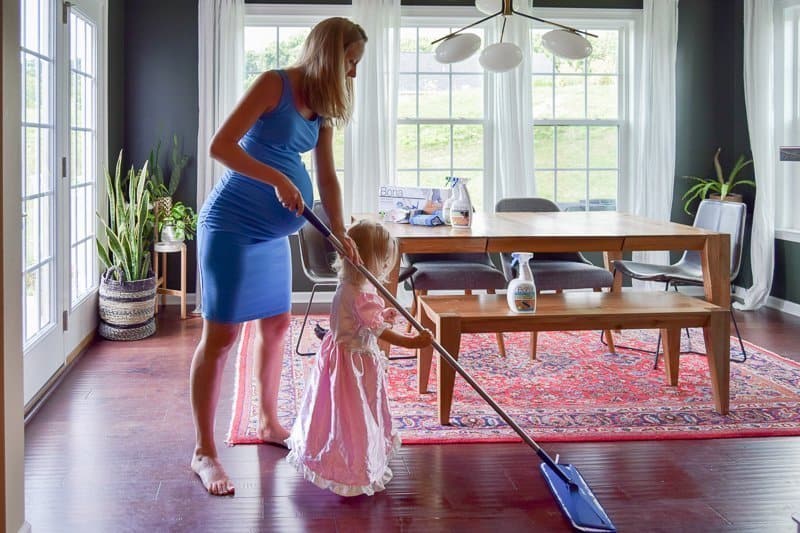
point(434, 219)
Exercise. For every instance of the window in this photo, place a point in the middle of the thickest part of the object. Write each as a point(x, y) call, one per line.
point(787, 120)
point(577, 122)
point(440, 129)
point(274, 42)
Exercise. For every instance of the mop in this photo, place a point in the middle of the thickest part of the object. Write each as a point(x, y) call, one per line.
point(570, 490)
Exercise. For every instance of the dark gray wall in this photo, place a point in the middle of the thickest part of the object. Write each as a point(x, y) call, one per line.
point(153, 93)
point(159, 92)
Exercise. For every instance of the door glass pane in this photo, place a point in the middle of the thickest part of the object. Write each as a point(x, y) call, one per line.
point(38, 182)
point(83, 154)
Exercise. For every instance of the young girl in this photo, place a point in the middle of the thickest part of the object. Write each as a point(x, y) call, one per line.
point(342, 439)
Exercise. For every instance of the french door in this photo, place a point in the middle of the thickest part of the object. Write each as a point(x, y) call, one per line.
point(62, 56)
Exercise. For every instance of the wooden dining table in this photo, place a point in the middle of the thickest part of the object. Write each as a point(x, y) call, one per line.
point(610, 232)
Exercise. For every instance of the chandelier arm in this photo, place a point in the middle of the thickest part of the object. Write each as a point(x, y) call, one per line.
point(568, 28)
point(484, 19)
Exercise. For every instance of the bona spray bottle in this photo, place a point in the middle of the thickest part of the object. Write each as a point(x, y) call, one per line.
point(521, 294)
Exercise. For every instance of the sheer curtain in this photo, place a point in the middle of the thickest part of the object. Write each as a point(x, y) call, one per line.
point(221, 78)
point(370, 150)
point(510, 109)
point(759, 79)
point(653, 179)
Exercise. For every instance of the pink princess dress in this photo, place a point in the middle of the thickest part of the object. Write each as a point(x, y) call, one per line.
point(342, 439)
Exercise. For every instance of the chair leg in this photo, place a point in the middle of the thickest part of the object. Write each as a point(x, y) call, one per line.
point(658, 344)
point(501, 345)
point(417, 293)
point(305, 319)
point(739, 336)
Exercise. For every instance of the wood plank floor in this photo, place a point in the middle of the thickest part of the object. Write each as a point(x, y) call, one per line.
point(109, 452)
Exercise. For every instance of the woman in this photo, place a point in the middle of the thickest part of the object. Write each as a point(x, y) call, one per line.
point(243, 228)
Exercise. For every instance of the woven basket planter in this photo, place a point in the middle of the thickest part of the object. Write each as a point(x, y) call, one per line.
point(126, 308)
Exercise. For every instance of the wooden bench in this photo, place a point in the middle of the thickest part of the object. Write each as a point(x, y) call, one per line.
point(450, 316)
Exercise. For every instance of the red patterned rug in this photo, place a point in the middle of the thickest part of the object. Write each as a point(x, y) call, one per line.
point(575, 391)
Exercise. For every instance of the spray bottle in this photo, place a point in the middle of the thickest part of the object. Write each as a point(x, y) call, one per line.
point(521, 293)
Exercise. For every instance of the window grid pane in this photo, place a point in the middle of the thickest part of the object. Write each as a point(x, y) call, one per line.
point(576, 124)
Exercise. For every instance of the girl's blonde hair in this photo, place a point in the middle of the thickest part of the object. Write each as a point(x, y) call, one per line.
point(377, 248)
point(327, 88)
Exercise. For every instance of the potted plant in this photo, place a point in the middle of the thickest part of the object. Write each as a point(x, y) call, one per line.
point(718, 187)
point(177, 224)
point(128, 285)
point(162, 190)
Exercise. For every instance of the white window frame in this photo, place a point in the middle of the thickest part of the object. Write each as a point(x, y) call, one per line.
point(624, 21)
point(787, 115)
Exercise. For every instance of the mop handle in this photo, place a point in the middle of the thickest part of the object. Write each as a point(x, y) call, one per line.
point(452, 361)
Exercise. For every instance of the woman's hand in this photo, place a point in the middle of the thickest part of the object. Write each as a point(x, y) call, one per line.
point(350, 249)
point(289, 196)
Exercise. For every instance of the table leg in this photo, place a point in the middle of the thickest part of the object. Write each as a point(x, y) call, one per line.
point(718, 346)
point(449, 336)
point(672, 349)
point(183, 281)
point(716, 258)
point(608, 260)
point(391, 286)
point(424, 355)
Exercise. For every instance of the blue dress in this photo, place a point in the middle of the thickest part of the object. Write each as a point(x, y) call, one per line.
point(242, 238)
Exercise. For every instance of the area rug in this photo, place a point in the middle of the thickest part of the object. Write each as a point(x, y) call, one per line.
point(575, 391)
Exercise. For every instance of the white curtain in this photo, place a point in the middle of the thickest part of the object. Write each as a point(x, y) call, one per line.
point(370, 152)
point(650, 190)
point(511, 135)
point(221, 82)
point(759, 79)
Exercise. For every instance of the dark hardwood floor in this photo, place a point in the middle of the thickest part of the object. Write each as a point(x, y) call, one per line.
point(110, 448)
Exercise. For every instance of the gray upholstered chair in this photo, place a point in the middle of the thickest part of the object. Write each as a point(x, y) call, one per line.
point(553, 271)
point(316, 257)
point(724, 217)
point(455, 271)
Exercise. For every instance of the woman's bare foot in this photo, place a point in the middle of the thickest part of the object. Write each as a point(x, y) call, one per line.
point(272, 433)
point(213, 476)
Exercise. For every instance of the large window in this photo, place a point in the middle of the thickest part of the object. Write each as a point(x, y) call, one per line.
point(579, 117)
point(576, 123)
point(787, 120)
point(440, 129)
point(275, 43)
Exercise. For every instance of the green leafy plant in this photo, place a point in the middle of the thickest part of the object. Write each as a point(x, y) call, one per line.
point(183, 220)
point(720, 184)
point(129, 227)
point(158, 186)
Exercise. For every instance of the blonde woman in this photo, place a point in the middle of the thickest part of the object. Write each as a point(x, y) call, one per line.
point(342, 439)
point(243, 227)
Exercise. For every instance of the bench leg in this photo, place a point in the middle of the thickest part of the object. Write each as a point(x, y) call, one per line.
point(534, 340)
point(718, 348)
point(449, 336)
point(672, 348)
point(424, 355)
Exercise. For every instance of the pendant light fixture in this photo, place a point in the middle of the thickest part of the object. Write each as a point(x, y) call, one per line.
point(565, 42)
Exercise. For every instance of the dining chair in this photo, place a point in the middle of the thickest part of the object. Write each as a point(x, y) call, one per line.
point(316, 257)
point(723, 217)
point(554, 271)
point(466, 272)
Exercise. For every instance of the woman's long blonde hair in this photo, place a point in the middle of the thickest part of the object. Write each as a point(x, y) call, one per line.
point(377, 248)
point(327, 89)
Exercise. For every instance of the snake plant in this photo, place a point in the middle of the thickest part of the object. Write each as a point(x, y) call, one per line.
point(129, 226)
